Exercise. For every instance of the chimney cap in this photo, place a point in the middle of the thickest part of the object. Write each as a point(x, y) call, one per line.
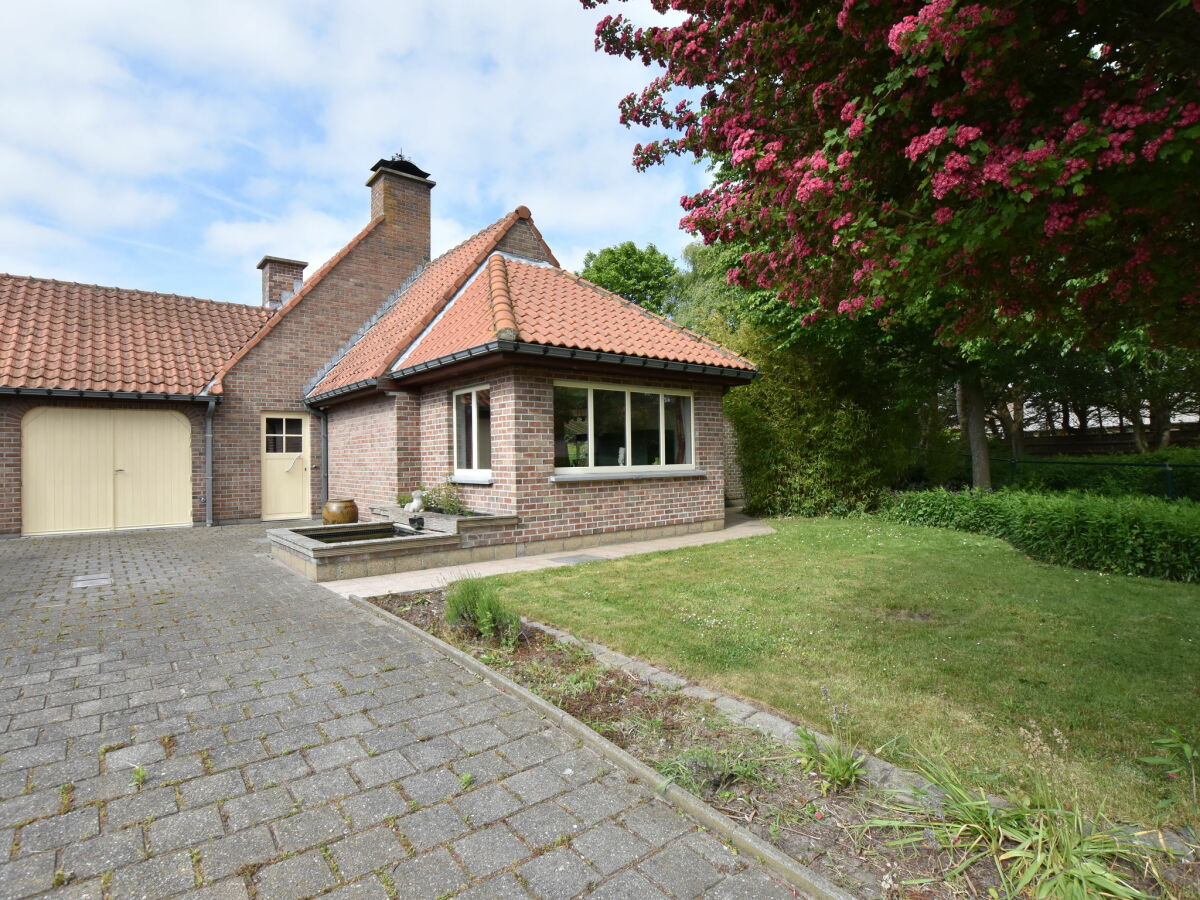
point(401, 166)
point(280, 259)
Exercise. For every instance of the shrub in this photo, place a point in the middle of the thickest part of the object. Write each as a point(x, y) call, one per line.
point(1149, 477)
point(813, 439)
point(1127, 535)
point(444, 498)
point(474, 604)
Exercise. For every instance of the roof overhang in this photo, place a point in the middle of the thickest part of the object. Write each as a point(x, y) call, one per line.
point(107, 395)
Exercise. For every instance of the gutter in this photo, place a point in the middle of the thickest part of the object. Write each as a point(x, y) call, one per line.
point(208, 461)
point(324, 417)
point(546, 351)
point(571, 353)
point(106, 395)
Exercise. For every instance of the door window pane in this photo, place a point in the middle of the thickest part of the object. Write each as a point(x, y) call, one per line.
point(677, 415)
point(293, 426)
point(570, 427)
point(463, 432)
point(643, 418)
point(294, 443)
point(274, 435)
point(483, 428)
point(608, 428)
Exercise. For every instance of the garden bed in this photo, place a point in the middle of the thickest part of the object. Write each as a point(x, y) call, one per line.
point(763, 784)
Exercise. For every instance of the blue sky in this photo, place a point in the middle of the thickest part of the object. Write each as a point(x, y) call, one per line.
point(169, 145)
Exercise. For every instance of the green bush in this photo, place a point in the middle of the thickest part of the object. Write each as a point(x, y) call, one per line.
point(475, 605)
point(1127, 535)
point(810, 439)
point(1056, 473)
point(444, 498)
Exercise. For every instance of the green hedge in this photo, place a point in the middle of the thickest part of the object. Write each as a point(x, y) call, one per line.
point(1055, 473)
point(1127, 535)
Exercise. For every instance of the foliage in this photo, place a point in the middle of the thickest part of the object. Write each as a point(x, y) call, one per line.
point(1179, 758)
point(812, 439)
point(969, 166)
point(643, 276)
point(1141, 474)
point(444, 498)
point(475, 604)
point(403, 499)
point(1041, 848)
point(1129, 535)
point(937, 638)
point(835, 762)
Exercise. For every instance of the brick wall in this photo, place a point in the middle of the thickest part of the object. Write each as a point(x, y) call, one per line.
point(13, 409)
point(522, 240)
point(735, 493)
point(363, 452)
point(272, 376)
point(523, 462)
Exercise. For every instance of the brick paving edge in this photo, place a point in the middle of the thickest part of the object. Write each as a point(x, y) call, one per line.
point(796, 875)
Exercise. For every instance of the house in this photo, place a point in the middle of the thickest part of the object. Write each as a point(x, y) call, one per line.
point(539, 394)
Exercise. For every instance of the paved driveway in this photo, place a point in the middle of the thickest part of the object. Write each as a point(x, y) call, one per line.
point(180, 715)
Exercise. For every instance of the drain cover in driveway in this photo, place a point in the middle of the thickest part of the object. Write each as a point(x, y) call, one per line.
point(577, 558)
point(97, 579)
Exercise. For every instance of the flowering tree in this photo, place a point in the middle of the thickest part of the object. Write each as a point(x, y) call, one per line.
point(985, 168)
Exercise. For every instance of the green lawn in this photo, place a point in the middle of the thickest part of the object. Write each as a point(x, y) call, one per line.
point(934, 638)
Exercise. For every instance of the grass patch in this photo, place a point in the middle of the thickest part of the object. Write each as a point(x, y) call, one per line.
point(942, 642)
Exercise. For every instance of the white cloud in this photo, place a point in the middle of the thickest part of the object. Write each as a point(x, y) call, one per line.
point(231, 128)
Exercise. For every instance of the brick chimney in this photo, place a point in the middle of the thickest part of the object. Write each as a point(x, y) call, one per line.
point(281, 278)
point(400, 193)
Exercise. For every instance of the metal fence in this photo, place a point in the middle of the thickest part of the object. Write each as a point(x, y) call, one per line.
point(1169, 470)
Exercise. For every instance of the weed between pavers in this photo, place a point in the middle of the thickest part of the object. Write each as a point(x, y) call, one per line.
point(808, 798)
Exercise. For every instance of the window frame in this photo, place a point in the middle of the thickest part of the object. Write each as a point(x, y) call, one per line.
point(468, 476)
point(629, 389)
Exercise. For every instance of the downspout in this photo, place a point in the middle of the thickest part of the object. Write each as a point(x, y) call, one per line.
point(324, 417)
point(208, 461)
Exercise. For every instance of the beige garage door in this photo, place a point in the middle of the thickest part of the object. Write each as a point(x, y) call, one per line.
point(100, 469)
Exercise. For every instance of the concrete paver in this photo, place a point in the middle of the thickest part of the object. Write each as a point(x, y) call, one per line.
point(201, 721)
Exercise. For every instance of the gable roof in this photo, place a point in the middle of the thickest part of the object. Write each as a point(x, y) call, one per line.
point(217, 385)
point(61, 335)
point(475, 295)
point(408, 313)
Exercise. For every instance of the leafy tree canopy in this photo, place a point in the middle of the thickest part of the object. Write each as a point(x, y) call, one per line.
point(985, 169)
point(643, 276)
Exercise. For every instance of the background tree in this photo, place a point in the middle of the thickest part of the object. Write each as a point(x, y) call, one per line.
point(981, 171)
point(644, 276)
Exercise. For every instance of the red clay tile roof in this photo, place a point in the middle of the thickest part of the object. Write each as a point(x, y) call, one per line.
point(473, 295)
point(553, 307)
point(411, 313)
point(305, 289)
point(61, 335)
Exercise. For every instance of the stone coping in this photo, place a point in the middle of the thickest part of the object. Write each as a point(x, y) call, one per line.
point(451, 524)
point(296, 540)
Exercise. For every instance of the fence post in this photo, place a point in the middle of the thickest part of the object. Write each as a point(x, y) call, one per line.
point(1170, 481)
point(1012, 470)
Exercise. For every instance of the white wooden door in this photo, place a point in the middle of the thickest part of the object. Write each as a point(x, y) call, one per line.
point(285, 463)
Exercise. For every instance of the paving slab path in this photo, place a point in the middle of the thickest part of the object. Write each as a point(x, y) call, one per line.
point(180, 716)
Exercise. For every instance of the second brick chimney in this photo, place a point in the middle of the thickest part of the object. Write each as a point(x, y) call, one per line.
point(281, 278)
point(400, 193)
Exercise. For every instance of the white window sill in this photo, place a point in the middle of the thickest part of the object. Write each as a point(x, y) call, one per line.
point(568, 477)
point(472, 479)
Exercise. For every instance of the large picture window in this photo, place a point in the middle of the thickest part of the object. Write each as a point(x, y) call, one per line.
point(607, 427)
point(473, 433)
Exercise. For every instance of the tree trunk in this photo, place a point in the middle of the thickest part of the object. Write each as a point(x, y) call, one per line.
point(1160, 425)
point(971, 410)
point(1018, 432)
